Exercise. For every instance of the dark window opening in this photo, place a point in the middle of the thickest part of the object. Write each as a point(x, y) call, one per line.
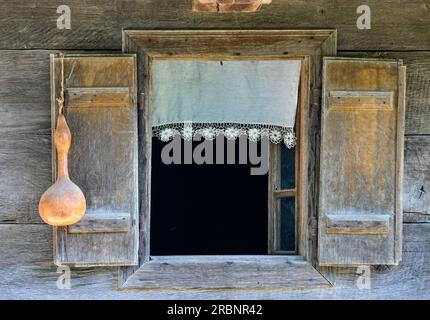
point(209, 209)
point(287, 205)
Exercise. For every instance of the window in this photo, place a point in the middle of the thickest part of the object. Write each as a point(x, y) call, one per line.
point(222, 205)
point(221, 208)
point(121, 236)
point(287, 239)
point(359, 214)
point(263, 220)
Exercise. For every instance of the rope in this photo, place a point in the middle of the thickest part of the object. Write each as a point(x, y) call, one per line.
point(60, 100)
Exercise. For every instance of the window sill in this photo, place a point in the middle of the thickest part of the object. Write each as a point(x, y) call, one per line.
point(226, 272)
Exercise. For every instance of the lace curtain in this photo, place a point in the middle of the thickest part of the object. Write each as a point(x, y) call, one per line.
point(232, 98)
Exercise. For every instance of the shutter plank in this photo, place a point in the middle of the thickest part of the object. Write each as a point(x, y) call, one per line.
point(360, 224)
point(102, 115)
point(95, 222)
point(361, 160)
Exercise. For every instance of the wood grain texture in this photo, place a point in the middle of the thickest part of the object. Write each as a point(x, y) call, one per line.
point(416, 184)
point(227, 272)
point(24, 92)
point(101, 222)
point(415, 217)
point(400, 159)
point(275, 192)
point(234, 45)
point(97, 24)
point(25, 173)
point(223, 6)
point(24, 134)
point(26, 150)
point(417, 86)
point(26, 260)
point(103, 155)
point(27, 268)
point(412, 274)
point(28, 273)
point(25, 127)
point(360, 159)
point(98, 97)
point(218, 44)
point(361, 100)
point(349, 224)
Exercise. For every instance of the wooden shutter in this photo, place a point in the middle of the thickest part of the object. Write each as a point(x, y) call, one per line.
point(362, 128)
point(101, 110)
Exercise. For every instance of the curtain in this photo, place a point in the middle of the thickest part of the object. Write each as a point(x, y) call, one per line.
point(232, 98)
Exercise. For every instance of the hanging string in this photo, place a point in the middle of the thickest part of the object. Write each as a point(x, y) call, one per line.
point(60, 100)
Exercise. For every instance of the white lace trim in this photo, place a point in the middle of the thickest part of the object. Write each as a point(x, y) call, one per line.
point(231, 131)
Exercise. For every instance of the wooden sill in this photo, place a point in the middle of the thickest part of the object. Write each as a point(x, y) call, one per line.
point(226, 272)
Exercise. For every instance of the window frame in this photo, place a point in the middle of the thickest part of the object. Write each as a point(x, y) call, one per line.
point(276, 193)
point(308, 45)
point(274, 196)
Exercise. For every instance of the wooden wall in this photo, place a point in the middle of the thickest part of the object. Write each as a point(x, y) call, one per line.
point(399, 30)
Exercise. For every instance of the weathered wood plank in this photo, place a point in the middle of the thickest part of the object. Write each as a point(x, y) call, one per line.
point(24, 134)
point(228, 5)
point(227, 272)
point(348, 224)
point(415, 217)
point(28, 273)
point(25, 173)
point(97, 24)
point(412, 274)
point(24, 92)
point(417, 86)
point(100, 222)
point(98, 97)
point(204, 44)
point(24, 108)
point(103, 156)
point(27, 268)
point(361, 153)
point(416, 183)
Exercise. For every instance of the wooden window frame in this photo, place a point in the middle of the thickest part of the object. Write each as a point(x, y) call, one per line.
point(308, 45)
point(275, 194)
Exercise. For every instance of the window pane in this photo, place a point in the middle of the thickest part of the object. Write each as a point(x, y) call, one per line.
point(287, 167)
point(287, 225)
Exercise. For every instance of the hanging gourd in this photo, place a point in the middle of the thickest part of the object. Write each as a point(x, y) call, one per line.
point(63, 203)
